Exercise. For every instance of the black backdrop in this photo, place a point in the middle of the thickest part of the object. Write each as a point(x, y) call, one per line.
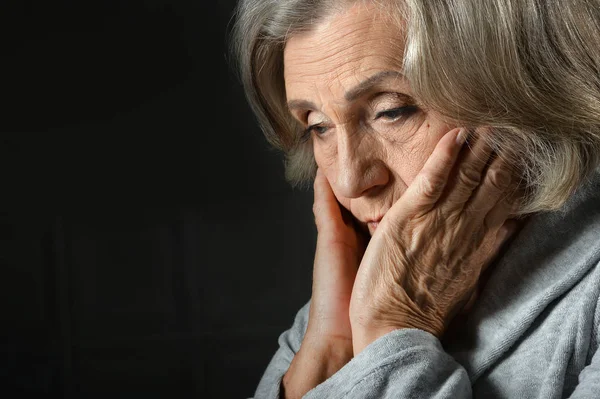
point(150, 244)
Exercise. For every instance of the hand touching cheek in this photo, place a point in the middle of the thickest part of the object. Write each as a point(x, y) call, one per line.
point(425, 259)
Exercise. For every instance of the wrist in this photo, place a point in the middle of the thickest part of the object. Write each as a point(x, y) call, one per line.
point(316, 361)
point(364, 333)
point(328, 354)
point(365, 337)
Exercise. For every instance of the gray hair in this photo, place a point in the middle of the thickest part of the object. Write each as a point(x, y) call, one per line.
point(530, 69)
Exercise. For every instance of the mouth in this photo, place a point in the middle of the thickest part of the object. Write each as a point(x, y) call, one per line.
point(372, 224)
point(372, 227)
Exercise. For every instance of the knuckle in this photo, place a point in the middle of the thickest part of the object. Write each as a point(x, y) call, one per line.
point(469, 178)
point(499, 179)
point(446, 158)
point(315, 209)
point(452, 219)
point(430, 187)
point(318, 216)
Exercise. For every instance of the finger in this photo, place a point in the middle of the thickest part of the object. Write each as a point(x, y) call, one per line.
point(504, 235)
point(467, 174)
point(325, 206)
point(495, 189)
point(427, 187)
point(507, 207)
point(506, 232)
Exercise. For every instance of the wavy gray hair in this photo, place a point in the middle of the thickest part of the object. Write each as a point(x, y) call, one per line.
point(530, 69)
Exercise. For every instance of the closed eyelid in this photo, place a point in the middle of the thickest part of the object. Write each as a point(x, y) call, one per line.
point(397, 112)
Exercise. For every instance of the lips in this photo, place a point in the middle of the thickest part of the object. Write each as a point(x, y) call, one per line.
point(372, 224)
point(374, 220)
point(372, 227)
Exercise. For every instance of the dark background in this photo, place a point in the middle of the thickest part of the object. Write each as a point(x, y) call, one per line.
point(150, 244)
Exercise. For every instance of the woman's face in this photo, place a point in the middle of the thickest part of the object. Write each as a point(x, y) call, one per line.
point(370, 135)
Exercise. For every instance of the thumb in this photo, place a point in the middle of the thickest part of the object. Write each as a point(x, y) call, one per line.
point(325, 206)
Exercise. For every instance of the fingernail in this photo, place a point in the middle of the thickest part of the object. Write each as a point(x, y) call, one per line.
point(461, 137)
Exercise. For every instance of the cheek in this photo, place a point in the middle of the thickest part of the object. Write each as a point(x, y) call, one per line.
point(405, 157)
point(408, 161)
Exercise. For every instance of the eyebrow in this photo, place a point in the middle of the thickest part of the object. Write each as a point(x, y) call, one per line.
point(359, 90)
point(366, 85)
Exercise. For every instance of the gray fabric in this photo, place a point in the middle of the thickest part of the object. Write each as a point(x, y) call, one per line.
point(533, 333)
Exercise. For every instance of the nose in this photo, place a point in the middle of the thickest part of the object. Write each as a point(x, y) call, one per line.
point(360, 169)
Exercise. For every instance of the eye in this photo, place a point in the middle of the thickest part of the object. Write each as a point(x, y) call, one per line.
point(397, 113)
point(318, 129)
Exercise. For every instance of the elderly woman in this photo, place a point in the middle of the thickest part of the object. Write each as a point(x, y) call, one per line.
point(454, 147)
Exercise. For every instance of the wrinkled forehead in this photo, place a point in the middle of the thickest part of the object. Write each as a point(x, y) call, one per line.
point(343, 49)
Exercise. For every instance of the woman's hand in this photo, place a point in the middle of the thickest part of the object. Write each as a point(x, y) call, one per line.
point(425, 259)
point(340, 248)
point(327, 344)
